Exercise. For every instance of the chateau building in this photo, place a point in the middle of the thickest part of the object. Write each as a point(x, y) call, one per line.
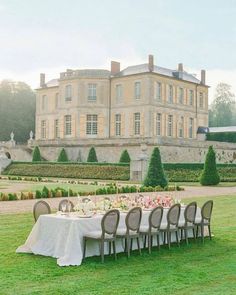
point(141, 101)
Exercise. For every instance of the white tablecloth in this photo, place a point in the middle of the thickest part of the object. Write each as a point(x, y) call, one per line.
point(61, 237)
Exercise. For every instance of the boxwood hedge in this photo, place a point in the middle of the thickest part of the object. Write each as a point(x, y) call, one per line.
point(70, 170)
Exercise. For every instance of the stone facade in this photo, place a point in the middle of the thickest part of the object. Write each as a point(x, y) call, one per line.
point(143, 101)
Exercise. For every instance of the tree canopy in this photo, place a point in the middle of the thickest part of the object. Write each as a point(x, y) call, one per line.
point(17, 110)
point(223, 109)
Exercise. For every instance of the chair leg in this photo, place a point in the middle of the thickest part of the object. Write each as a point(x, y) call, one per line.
point(177, 237)
point(128, 246)
point(186, 235)
point(139, 249)
point(202, 232)
point(114, 249)
point(181, 237)
point(145, 239)
point(158, 241)
point(149, 244)
point(209, 230)
point(168, 238)
point(197, 231)
point(84, 252)
point(131, 244)
point(165, 234)
point(102, 251)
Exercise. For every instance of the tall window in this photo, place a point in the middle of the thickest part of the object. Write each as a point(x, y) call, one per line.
point(201, 100)
point(136, 123)
point(181, 127)
point(92, 92)
point(158, 91)
point(191, 97)
point(118, 93)
point(56, 128)
point(44, 102)
point(56, 100)
point(68, 93)
point(170, 94)
point(137, 90)
point(92, 125)
point(43, 129)
point(181, 95)
point(158, 124)
point(68, 125)
point(118, 125)
point(170, 125)
point(190, 127)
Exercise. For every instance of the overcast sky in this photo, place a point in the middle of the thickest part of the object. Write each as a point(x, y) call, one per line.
point(52, 35)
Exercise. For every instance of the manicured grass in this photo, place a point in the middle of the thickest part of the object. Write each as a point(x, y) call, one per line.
point(208, 268)
point(221, 184)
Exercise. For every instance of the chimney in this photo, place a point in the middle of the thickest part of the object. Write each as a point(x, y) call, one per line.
point(180, 67)
point(150, 62)
point(42, 80)
point(115, 67)
point(203, 77)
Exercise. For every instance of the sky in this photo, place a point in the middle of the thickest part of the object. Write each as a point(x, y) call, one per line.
point(50, 36)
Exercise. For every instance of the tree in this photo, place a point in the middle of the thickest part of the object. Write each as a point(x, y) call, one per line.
point(210, 174)
point(63, 156)
point(36, 155)
point(92, 157)
point(223, 107)
point(155, 175)
point(125, 158)
point(17, 110)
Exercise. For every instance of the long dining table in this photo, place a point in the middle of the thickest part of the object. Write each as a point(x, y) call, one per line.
point(61, 236)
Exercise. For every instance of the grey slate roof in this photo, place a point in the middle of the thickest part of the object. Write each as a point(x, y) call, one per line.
point(143, 68)
point(52, 83)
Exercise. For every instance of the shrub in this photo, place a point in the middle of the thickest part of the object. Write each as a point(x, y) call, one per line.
point(155, 175)
point(125, 158)
point(222, 136)
point(45, 192)
point(36, 155)
point(12, 197)
point(210, 174)
point(92, 157)
point(63, 156)
point(38, 194)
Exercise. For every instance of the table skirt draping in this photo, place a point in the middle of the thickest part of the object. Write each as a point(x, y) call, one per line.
point(61, 237)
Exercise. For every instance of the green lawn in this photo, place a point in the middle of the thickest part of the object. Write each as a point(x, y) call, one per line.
point(194, 269)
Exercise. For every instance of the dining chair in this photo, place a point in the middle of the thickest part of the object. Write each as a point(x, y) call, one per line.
point(189, 219)
point(173, 215)
point(132, 222)
point(153, 228)
point(109, 224)
point(66, 203)
point(205, 219)
point(40, 207)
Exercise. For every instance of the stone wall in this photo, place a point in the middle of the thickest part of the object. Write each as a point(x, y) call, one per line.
point(172, 151)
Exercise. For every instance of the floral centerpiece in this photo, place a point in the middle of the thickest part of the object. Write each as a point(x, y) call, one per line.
point(85, 208)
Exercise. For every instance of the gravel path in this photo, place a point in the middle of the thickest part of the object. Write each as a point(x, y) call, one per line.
point(7, 207)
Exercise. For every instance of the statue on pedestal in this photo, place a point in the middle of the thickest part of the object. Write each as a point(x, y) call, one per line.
point(12, 136)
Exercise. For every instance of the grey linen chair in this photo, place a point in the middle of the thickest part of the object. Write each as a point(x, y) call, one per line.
point(40, 207)
point(189, 219)
point(132, 222)
point(205, 220)
point(109, 224)
point(66, 202)
point(153, 229)
point(172, 224)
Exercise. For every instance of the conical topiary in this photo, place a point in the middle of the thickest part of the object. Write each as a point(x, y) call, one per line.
point(63, 156)
point(125, 158)
point(36, 155)
point(92, 157)
point(155, 175)
point(209, 175)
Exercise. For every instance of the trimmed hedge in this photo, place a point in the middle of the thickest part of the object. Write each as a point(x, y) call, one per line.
point(84, 171)
point(222, 136)
point(190, 172)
